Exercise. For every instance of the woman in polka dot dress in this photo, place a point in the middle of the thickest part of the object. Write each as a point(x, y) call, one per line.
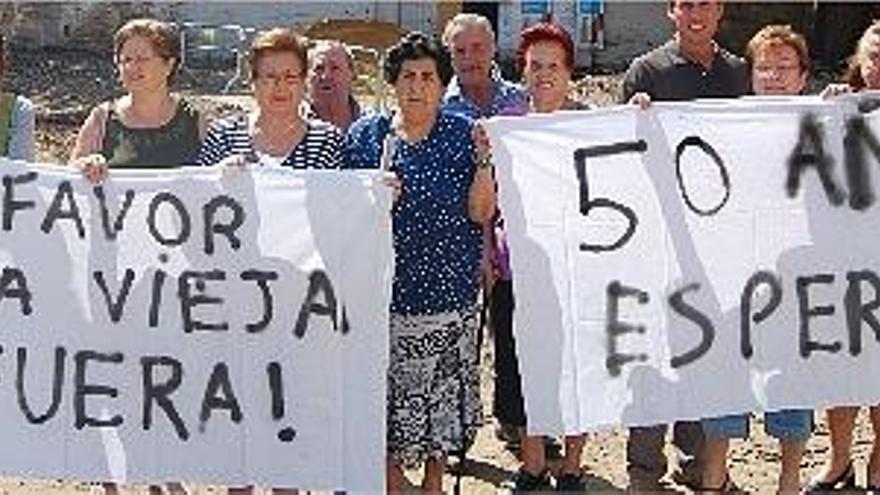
point(446, 192)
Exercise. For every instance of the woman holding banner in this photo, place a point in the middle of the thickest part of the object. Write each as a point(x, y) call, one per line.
point(863, 74)
point(16, 119)
point(546, 58)
point(148, 127)
point(779, 62)
point(275, 134)
point(447, 192)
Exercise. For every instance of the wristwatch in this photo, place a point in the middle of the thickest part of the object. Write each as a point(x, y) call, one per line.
point(484, 163)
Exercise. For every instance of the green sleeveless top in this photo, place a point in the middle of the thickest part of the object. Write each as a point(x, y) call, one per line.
point(7, 101)
point(174, 144)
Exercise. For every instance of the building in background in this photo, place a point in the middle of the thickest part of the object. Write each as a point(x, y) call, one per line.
point(608, 34)
point(91, 24)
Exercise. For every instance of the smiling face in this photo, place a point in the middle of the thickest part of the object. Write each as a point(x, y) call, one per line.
point(141, 68)
point(418, 88)
point(546, 75)
point(472, 49)
point(279, 83)
point(777, 70)
point(330, 75)
point(696, 22)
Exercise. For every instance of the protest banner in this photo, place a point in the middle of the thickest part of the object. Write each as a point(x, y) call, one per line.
point(692, 260)
point(192, 326)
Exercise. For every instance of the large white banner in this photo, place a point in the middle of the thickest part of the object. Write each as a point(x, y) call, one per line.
point(693, 260)
point(190, 326)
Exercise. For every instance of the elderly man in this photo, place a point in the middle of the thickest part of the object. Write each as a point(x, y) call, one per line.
point(691, 65)
point(477, 89)
point(331, 74)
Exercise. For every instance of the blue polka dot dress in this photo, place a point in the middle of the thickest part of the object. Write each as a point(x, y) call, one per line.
point(433, 396)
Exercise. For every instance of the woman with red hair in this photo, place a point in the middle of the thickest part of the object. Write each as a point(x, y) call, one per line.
point(546, 59)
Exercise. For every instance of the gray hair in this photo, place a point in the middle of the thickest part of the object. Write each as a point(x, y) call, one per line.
point(464, 21)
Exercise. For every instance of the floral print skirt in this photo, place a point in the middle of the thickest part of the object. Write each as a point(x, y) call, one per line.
point(433, 385)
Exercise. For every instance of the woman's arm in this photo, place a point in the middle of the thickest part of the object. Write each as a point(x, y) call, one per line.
point(88, 140)
point(86, 155)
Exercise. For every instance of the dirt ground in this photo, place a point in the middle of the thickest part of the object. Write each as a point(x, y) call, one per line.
point(63, 98)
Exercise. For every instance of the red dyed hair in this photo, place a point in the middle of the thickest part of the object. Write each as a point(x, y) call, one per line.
point(544, 31)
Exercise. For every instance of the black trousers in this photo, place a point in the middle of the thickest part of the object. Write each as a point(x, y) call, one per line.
point(508, 407)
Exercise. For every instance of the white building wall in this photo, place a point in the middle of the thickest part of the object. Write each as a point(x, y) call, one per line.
point(270, 14)
point(630, 27)
point(418, 16)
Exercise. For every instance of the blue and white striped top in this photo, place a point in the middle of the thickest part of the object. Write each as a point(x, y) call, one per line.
point(320, 147)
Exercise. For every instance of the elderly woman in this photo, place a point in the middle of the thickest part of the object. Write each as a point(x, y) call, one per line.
point(546, 59)
point(331, 74)
point(446, 193)
point(779, 62)
point(16, 120)
point(275, 134)
point(863, 74)
point(147, 127)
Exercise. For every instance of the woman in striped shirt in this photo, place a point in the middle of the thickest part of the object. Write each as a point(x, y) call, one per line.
point(275, 133)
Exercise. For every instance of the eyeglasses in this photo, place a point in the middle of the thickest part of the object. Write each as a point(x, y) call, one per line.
point(778, 69)
point(126, 60)
point(286, 78)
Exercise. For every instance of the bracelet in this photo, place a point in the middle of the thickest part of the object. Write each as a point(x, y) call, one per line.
point(484, 163)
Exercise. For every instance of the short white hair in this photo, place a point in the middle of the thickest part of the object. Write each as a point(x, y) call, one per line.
point(463, 21)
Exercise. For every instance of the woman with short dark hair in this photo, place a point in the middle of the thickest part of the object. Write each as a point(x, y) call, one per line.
point(447, 193)
point(16, 119)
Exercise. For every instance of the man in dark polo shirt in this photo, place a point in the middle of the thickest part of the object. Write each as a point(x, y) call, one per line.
point(691, 65)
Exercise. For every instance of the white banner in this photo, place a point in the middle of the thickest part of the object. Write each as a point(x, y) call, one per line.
point(187, 326)
point(687, 261)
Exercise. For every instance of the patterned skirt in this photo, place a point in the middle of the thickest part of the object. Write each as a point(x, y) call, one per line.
point(433, 385)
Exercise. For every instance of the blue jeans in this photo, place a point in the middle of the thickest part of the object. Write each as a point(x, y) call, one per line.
point(787, 424)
